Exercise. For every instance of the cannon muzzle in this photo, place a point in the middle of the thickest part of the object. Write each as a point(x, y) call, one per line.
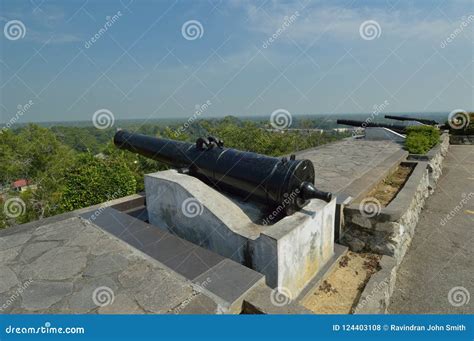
point(275, 182)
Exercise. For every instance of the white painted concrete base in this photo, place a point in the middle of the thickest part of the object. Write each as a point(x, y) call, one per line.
point(289, 253)
point(375, 134)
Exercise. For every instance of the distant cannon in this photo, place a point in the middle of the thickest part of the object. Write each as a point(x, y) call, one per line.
point(363, 124)
point(413, 119)
point(288, 183)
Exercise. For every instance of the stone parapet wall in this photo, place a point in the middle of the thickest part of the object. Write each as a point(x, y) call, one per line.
point(390, 229)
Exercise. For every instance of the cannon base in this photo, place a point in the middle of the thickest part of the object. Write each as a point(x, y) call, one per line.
point(290, 252)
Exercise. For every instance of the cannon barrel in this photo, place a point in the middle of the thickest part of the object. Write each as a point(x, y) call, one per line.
point(363, 124)
point(284, 182)
point(404, 118)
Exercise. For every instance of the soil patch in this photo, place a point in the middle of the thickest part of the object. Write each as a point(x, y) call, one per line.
point(341, 289)
point(389, 187)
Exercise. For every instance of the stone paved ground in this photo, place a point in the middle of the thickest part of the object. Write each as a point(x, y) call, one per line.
point(61, 267)
point(441, 256)
point(338, 164)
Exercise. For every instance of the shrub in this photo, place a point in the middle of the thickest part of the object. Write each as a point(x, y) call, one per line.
point(92, 181)
point(421, 139)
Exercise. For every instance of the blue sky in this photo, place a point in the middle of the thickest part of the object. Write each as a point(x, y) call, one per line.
point(142, 66)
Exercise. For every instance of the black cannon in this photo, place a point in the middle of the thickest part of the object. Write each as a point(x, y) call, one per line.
point(363, 124)
point(412, 119)
point(276, 182)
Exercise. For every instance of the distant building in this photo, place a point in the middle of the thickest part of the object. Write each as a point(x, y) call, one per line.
point(22, 185)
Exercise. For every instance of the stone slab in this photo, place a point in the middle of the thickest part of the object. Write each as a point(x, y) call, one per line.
point(229, 282)
point(185, 258)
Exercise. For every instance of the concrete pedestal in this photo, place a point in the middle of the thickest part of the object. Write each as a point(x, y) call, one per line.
point(289, 253)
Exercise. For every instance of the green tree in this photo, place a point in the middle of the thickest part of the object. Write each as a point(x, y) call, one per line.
point(94, 180)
